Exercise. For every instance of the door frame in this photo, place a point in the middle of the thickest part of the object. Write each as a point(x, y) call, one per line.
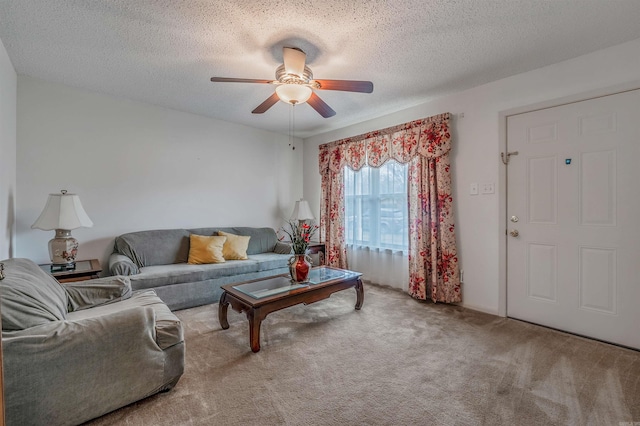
point(502, 175)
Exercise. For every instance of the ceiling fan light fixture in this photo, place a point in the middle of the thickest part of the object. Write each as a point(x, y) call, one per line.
point(294, 93)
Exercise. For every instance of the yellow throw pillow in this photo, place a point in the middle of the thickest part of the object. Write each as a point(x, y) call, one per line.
point(235, 248)
point(203, 249)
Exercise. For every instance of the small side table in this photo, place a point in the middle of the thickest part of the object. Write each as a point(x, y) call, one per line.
point(84, 270)
point(318, 248)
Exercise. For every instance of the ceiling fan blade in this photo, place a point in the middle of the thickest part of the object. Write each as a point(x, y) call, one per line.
point(271, 101)
point(293, 60)
point(320, 106)
point(238, 80)
point(346, 85)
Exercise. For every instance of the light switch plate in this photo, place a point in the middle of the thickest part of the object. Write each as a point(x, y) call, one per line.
point(487, 188)
point(473, 189)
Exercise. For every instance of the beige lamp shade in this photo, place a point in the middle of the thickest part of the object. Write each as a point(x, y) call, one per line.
point(62, 211)
point(302, 211)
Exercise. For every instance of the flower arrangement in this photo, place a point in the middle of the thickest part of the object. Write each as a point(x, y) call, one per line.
point(300, 234)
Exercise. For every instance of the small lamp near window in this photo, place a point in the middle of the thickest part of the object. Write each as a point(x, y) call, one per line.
point(302, 212)
point(63, 212)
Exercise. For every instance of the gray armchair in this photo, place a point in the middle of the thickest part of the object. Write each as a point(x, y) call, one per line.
point(76, 351)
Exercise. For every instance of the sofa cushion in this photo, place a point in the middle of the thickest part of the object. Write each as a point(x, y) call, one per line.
point(161, 275)
point(30, 296)
point(156, 247)
point(230, 268)
point(263, 240)
point(235, 248)
point(204, 249)
point(268, 261)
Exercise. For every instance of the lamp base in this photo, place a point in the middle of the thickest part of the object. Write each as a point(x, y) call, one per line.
point(63, 248)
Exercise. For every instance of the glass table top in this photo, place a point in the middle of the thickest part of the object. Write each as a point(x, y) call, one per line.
point(270, 286)
point(324, 274)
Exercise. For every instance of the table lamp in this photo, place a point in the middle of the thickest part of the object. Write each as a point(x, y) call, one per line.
point(63, 212)
point(302, 212)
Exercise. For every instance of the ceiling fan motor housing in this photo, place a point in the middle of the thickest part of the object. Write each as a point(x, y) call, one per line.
point(282, 77)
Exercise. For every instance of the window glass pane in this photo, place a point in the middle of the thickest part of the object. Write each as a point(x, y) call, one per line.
point(376, 206)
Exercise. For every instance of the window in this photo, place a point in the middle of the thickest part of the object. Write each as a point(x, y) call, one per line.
point(376, 207)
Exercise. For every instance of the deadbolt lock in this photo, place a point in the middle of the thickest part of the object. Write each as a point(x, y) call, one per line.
point(514, 219)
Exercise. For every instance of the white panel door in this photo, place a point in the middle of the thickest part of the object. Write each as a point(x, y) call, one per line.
point(574, 201)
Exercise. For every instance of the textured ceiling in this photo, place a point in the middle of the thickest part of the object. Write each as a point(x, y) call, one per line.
point(163, 52)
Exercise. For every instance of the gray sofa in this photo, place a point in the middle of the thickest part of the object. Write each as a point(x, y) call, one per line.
point(76, 351)
point(157, 260)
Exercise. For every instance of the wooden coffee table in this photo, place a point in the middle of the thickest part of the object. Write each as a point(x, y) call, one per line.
point(258, 298)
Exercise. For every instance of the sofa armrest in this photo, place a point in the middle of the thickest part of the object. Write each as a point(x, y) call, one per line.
point(100, 291)
point(119, 264)
point(67, 372)
point(283, 248)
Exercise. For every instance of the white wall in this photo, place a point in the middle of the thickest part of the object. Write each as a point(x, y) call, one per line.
point(476, 152)
point(8, 85)
point(137, 166)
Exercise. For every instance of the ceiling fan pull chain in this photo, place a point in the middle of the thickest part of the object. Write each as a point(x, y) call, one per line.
point(292, 130)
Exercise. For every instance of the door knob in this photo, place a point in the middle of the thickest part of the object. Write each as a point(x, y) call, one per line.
point(514, 233)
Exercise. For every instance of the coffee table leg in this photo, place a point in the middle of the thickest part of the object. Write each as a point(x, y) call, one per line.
point(223, 305)
point(255, 320)
point(359, 294)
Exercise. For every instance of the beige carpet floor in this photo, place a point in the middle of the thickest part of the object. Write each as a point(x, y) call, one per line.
point(396, 362)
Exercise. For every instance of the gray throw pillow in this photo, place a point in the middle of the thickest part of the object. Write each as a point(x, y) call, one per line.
point(283, 248)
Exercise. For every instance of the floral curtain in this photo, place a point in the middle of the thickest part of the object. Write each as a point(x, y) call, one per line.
point(332, 219)
point(425, 145)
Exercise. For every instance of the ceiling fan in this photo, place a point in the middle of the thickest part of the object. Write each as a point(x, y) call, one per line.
point(294, 84)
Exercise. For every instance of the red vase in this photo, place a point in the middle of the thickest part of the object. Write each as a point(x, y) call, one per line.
point(299, 267)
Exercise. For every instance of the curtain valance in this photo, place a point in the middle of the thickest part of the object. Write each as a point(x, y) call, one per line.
point(428, 137)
